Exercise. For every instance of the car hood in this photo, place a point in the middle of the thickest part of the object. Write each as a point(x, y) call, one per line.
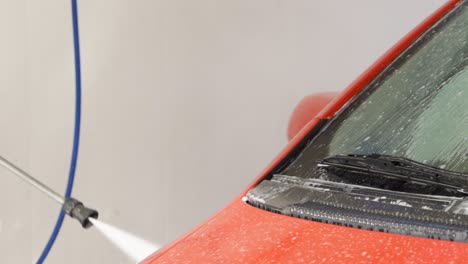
point(241, 233)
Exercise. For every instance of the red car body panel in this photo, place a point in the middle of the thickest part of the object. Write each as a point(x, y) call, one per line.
point(244, 234)
point(241, 233)
point(307, 108)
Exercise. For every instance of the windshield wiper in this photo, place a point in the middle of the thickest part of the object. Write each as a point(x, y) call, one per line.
point(398, 168)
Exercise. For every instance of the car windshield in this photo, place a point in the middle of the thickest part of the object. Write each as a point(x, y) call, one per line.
point(416, 109)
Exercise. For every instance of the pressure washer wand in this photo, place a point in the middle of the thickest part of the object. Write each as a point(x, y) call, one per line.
point(70, 206)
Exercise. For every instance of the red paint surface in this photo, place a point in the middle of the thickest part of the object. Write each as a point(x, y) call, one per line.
point(309, 107)
point(241, 233)
point(244, 234)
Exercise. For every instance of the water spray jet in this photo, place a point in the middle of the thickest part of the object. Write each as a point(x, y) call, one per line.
point(134, 247)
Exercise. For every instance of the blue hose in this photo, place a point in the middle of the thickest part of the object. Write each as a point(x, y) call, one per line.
point(76, 137)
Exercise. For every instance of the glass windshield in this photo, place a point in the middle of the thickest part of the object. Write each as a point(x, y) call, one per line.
point(416, 109)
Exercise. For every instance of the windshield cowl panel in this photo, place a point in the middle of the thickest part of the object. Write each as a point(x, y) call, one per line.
point(364, 207)
point(273, 192)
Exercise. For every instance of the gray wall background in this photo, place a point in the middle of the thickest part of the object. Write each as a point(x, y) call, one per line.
point(185, 102)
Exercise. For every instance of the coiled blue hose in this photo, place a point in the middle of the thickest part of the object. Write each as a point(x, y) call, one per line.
point(76, 136)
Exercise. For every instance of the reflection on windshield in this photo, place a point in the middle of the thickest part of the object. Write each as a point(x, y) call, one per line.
point(440, 133)
point(416, 109)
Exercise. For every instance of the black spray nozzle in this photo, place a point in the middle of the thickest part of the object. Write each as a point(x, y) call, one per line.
point(77, 210)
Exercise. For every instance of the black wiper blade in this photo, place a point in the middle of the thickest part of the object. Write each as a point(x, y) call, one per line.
point(398, 167)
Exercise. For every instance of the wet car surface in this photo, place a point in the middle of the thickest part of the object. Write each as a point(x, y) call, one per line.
point(380, 175)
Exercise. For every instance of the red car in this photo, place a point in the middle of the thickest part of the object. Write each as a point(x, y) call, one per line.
point(378, 173)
